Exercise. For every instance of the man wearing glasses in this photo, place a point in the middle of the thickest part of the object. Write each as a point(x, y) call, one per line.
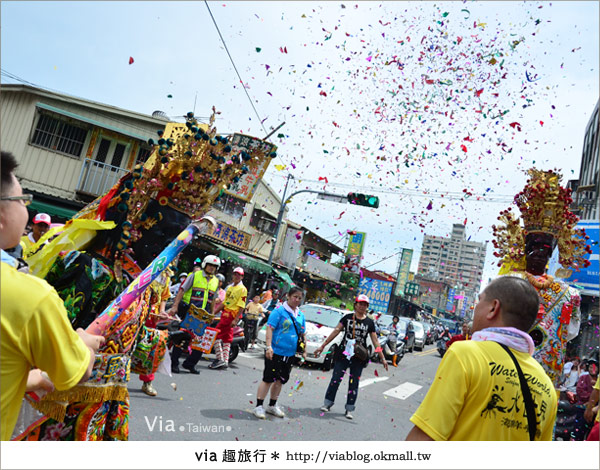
point(35, 331)
point(17, 251)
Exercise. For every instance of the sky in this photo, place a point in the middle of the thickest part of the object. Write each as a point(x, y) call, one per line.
point(438, 108)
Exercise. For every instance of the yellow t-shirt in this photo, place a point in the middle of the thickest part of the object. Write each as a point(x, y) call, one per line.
point(35, 332)
point(235, 297)
point(476, 396)
point(254, 311)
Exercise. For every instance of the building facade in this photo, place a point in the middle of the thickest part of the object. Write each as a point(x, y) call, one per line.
point(585, 197)
point(456, 262)
point(70, 150)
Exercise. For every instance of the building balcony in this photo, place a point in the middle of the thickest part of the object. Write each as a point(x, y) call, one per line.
point(96, 178)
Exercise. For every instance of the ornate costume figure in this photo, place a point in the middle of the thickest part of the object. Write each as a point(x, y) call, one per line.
point(525, 250)
point(122, 234)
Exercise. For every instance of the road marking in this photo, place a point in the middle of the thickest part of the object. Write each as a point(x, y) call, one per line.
point(249, 355)
point(364, 383)
point(425, 353)
point(402, 392)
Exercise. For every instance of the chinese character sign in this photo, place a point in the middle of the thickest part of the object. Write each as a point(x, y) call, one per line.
point(378, 292)
point(450, 303)
point(403, 271)
point(244, 188)
point(230, 235)
point(356, 244)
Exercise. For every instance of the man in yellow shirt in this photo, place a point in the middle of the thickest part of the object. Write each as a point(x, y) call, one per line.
point(233, 305)
point(477, 393)
point(41, 224)
point(35, 332)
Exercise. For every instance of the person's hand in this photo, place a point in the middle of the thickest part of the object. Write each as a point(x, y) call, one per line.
point(590, 413)
point(172, 311)
point(38, 381)
point(385, 364)
point(269, 352)
point(318, 351)
point(91, 341)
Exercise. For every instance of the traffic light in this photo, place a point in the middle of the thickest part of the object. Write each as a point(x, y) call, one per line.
point(363, 200)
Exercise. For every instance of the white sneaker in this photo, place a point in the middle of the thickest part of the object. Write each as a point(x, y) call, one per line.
point(326, 408)
point(349, 415)
point(259, 412)
point(275, 411)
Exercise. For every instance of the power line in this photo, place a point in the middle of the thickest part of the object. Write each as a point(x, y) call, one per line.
point(383, 259)
point(238, 74)
point(448, 195)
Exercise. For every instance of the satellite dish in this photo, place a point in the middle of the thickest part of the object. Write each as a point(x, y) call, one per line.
point(160, 115)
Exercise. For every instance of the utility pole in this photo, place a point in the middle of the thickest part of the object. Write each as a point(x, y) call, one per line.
point(374, 202)
point(279, 218)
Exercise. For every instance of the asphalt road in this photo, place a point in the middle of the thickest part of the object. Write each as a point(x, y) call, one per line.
point(217, 405)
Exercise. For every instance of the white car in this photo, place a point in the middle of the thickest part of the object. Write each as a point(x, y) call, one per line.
point(320, 322)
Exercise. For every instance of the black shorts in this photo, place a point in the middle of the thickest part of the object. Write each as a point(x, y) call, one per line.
point(277, 368)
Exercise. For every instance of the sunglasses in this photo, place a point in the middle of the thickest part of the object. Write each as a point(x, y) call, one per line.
point(26, 198)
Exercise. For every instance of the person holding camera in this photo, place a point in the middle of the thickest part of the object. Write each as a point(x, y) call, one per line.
point(352, 353)
point(285, 336)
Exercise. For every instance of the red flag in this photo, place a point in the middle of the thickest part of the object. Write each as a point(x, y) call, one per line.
point(130, 60)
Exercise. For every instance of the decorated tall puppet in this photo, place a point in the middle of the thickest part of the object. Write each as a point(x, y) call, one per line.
point(104, 260)
point(525, 251)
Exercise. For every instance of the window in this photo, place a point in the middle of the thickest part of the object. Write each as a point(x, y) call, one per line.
point(59, 135)
point(231, 205)
point(262, 221)
point(143, 154)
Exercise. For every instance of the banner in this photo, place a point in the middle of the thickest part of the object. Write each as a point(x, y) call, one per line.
point(244, 188)
point(403, 271)
point(378, 292)
point(356, 244)
point(450, 303)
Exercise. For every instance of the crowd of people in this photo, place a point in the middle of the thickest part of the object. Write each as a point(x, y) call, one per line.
point(520, 328)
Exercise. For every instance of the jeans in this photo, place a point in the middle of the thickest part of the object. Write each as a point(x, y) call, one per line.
point(339, 369)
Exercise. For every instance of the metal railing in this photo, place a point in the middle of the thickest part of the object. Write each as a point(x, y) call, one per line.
point(97, 177)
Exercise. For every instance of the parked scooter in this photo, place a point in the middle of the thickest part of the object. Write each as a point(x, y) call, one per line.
point(441, 344)
point(181, 337)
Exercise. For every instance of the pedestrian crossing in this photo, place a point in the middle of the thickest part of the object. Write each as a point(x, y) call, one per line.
point(402, 392)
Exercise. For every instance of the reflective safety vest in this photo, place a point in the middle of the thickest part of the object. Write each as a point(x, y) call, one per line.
point(202, 291)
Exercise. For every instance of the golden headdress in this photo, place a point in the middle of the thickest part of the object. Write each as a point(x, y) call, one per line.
point(190, 167)
point(544, 206)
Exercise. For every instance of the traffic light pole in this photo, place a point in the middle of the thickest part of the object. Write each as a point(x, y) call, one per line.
point(282, 209)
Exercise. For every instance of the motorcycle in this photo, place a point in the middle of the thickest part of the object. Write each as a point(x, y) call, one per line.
point(387, 346)
point(441, 344)
point(181, 337)
point(570, 423)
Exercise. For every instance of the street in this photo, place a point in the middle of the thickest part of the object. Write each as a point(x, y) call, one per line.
point(217, 404)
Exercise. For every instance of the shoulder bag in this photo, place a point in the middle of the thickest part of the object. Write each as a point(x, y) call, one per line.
point(300, 346)
point(529, 405)
point(360, 352)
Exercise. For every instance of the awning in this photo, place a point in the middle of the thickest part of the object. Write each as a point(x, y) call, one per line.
point(52, 209)
point(92, 121)
point(285, 277)
point(244, 260)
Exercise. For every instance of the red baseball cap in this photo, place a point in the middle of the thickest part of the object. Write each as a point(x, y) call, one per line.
point(362, 298)
point(42, 218)
point(239, 270)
